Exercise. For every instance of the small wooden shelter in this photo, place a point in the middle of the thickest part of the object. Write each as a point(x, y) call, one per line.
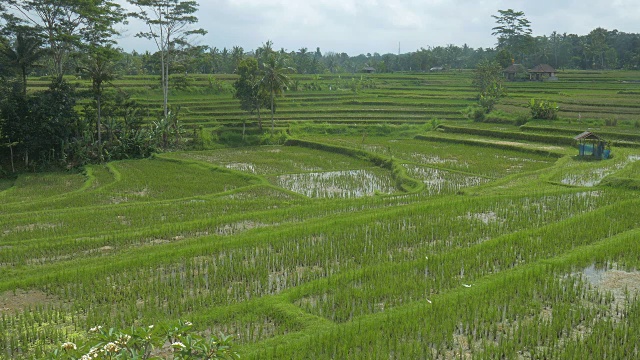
point(514, 72)
point(368, 69)
point(541, 72)
point(590, 144)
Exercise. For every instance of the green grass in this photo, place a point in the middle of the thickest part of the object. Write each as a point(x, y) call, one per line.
point(356, 239)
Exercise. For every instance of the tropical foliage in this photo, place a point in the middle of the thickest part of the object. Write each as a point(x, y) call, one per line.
point(543, 109)
point(488, 80)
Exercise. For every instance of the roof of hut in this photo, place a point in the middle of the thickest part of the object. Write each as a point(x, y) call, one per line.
point(514, 68)
point(587, 135)
point(543, 68)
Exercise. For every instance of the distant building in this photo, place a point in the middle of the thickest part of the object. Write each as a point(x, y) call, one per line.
point(368, 70)
point(437, 68)
point(515, 72)
point(542, 72)
point(539, 73)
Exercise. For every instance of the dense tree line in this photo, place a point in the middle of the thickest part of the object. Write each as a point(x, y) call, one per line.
point(54, 38)
point(39, 129)
point(600, 49)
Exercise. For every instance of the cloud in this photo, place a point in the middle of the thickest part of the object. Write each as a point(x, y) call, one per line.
point(367, 26)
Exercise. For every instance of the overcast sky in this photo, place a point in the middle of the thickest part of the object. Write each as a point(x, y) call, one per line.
point(368, 26)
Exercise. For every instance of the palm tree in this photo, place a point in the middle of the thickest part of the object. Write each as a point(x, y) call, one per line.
point(249, 90)
point(275, 79)
point(237, 54)
point(23, 54)
point(264, 52)
point(99, 67)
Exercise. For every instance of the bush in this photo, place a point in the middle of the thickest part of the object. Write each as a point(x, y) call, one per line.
point(611, 122)
point(277, 138)
point(181, 82)
point(522, 119)
point(435, 124)
point(543, 109)
point(474, 113)
point(216, 86)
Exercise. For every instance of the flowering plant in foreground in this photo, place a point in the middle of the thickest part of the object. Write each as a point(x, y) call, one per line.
point(148, 342)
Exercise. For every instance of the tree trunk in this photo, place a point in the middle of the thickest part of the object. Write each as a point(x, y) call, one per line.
point(24, 81)
point(99, 125)
point(13, 169)
point(272, 122)
point(165, 82)
point(259, 119)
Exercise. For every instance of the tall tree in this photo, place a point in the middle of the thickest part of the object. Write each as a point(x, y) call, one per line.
point(513, 31)
point(249, 91)
point(303, 61)
point(275, 79)
point(23, 53)
point(488, 80)
point(596, 46)
point(98, 66)
point(39, 125)
point(264, 52)
point(100, 57)
point(237, 54)
point(63, 23)
point(169, 23)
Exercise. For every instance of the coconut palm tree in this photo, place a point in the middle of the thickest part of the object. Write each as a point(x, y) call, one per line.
point(23, 54)
point(99, 67)
point(237, 54)
point(275, 79)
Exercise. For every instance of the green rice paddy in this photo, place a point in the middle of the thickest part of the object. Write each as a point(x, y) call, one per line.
point(372, 236)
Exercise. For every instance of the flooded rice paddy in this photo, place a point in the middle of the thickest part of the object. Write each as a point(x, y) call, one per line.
point(338, 184)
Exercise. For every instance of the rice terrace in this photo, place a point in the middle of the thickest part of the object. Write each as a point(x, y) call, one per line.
point(371, 231)
point(198, 203)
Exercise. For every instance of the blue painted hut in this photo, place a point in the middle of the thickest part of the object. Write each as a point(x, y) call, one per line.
point(591, 145)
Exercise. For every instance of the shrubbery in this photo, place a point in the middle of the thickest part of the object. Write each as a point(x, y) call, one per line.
point(522, 119)
point(147, 342)
point(475, 113)
point(611, 122)
point(543, 109)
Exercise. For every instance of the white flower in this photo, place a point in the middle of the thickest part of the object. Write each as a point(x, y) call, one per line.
point(178, 345)
point(188, 323)
point(111, 347)
point(69, 346)
point(86, 357)
point(150, 326)
point(124, 339)
point(95, 328)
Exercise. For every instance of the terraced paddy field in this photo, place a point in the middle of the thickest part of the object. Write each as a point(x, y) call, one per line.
point(587, 99)
point(347, 241)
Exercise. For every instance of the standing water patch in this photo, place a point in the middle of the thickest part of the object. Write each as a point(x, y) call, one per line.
point(439, 181)
point(593, 177)
point(338, 184)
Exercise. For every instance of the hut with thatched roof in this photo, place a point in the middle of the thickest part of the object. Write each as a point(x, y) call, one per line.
point(515, 72)
point(542, 72)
